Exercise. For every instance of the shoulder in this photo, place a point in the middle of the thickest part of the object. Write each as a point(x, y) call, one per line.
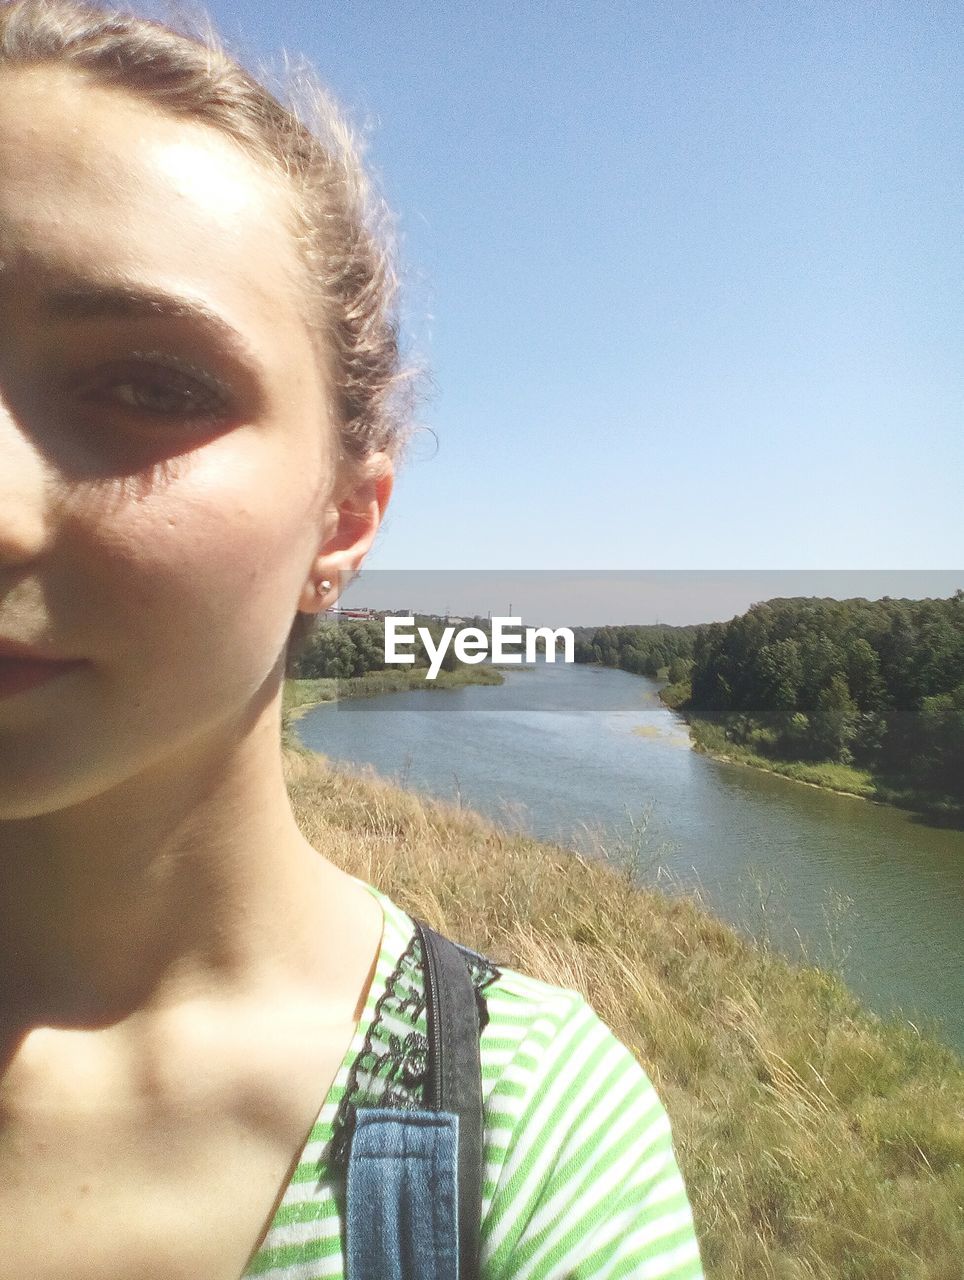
point(580, 1179)
point(581, 1176)
point(542, 1037)
point(539, 1033)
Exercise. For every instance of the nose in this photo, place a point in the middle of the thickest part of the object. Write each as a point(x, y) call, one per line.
point(23, 488)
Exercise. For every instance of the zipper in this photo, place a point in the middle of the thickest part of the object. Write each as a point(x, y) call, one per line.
point(433, 1085)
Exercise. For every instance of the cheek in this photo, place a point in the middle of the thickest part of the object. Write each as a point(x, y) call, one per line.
point(207, 565)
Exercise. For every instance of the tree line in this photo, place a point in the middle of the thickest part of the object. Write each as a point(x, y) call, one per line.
point(339, 650)
point(645, 651)
point(879, 684)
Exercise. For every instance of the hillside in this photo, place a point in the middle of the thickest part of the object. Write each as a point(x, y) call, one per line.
point(816, 1139)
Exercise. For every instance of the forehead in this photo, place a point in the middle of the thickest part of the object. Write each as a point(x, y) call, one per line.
point(94, 183)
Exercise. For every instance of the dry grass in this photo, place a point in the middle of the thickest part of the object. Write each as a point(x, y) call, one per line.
point(816, 1140)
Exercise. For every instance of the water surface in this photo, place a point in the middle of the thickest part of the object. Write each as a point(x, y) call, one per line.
point(589, 757)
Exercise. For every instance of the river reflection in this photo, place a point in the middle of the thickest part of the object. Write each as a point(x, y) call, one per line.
point(589, 757)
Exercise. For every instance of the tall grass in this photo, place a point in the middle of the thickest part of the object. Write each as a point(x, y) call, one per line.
point(817, 1140)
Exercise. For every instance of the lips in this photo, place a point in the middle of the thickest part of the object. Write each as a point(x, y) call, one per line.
point(21, 670)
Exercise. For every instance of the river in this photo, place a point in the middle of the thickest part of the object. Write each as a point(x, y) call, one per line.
point(591, 758)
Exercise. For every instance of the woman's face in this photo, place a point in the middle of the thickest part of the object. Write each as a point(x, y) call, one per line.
point(165, 442)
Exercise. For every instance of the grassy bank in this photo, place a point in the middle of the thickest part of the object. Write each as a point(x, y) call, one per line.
point(301, 695)
point(816, 1140)
point(709, 736)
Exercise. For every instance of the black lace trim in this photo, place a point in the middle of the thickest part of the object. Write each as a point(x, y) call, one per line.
point(391, 1070)
point(483, 973)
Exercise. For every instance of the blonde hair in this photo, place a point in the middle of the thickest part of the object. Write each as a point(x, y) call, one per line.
point(342, 227)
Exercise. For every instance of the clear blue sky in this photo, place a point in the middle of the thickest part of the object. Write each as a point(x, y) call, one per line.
point(688, 275)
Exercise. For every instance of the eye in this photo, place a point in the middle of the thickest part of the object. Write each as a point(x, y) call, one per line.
point(161, 397)
point(159, 388)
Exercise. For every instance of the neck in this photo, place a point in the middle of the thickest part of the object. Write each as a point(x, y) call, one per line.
point(190, 881)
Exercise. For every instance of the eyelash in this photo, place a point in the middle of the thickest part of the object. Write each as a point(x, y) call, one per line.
point(169, 375)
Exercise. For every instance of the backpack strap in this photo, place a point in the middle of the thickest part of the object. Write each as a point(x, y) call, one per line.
point(414, 1186)
point(455, 1077)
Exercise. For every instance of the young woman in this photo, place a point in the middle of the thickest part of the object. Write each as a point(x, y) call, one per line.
point(200, 400)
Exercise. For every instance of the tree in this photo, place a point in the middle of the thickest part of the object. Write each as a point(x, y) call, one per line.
point(780, 674)
point(863, 675)
point(942, 725)
point(820, 661)
point(833, 723)
point(679, 670)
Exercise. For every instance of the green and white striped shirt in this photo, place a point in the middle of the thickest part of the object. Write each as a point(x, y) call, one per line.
point(580, 1179)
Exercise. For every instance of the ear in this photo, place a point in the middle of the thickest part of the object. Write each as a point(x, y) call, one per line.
point(352, 519)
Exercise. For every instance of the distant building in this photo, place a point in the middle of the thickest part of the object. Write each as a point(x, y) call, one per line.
point(353, 615)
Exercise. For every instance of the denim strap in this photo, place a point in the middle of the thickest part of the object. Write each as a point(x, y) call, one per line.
point(414, 1186)
point(402, 1196)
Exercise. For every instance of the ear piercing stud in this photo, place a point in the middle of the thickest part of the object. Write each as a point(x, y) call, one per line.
point(323, 586)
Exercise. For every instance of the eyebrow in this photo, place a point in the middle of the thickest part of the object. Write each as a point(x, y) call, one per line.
point(131, 302)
